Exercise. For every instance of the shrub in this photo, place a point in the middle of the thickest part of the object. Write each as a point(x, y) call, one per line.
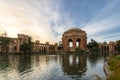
point(114, 64)
point(78, 50)
point(117, 57)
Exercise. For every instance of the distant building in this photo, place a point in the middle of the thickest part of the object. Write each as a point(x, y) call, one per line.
point(74, 38)
point(44, 47)
point(108, 47)
point(14, 45)
point(23, 38)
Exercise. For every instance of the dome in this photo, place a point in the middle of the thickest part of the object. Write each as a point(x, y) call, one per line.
point(75, 29)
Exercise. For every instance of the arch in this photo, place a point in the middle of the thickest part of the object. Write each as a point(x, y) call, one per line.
point(73, 38)
point(107, 48)
point(102, 48)
point(44, 49)
point(70, 43)
point(78, 43)
point(115, 47)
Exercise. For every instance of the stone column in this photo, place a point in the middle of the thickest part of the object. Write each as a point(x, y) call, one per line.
point(65, 44)
point(47, 47)
point(111, 44)
point(18, 45)
point(82, 43)
point(56, 47)
point(74, 44)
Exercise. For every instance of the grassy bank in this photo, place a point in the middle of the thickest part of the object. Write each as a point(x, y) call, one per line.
point(114, 65)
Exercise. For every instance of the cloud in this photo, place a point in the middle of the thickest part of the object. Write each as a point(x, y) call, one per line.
point(111, 36)
point(46, 20)
point(106, 20)
point(30, 17)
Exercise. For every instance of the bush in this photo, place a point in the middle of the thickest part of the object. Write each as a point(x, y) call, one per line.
point(117, 57)
point(93, 46)
point(114, 64)
point(118, 46)
point(78, 50)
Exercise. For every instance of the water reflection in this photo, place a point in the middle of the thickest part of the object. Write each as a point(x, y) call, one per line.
point(4, 62)
point(50, 67)
point(93, 59)
point(74, 64)
point(24, 63)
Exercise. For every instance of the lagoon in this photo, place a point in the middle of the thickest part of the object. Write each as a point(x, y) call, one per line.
point(51, 67)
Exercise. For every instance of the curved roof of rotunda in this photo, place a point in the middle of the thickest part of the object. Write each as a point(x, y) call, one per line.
point(74, 31)
point(74, 28)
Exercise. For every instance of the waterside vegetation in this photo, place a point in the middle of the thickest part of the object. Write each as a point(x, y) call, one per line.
point(114, 65)
point(93, 46)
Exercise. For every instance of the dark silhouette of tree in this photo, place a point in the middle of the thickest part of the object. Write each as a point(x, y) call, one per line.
point(93, 46)
point(27, 46)
point(23, 47)
point(79, 50)
point(30, 45)
point(118, 46)
point(4, 41)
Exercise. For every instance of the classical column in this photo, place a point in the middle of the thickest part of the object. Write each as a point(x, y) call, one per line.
point(65, 44)
point(18, 45)
point(56, 47)
point(74, 44)
point(47, 47)
point(82, 43)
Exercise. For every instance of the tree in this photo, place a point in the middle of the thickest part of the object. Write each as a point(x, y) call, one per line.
point(30, 44)
point(93, 46)
point(118, 46)
point(79, 50)
point(27, 46)
point(23, 47)
point(4, 42)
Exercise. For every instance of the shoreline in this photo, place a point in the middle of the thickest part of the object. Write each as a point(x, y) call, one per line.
point(107, 71)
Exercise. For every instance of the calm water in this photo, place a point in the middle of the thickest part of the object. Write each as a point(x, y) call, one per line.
point(51, 67)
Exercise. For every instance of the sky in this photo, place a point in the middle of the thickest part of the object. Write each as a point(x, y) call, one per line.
point(46, 20)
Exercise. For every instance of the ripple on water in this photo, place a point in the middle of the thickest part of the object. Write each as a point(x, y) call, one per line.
point(49, 67)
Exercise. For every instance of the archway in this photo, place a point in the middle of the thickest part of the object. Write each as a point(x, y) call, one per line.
point(73, 38)
point(78, 43)
point(70, 43)
point(107, 48)
point(102, 48)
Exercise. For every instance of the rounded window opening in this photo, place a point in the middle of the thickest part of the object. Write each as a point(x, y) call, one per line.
point(78, 43)
point(70, 43)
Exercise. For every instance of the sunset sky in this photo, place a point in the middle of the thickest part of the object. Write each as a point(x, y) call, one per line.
point(46, 20)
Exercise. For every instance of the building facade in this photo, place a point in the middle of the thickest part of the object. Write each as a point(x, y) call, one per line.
point(13, 46)
point(108, 47)
point(9, 44)
point(44, 47)
point(74, 38)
